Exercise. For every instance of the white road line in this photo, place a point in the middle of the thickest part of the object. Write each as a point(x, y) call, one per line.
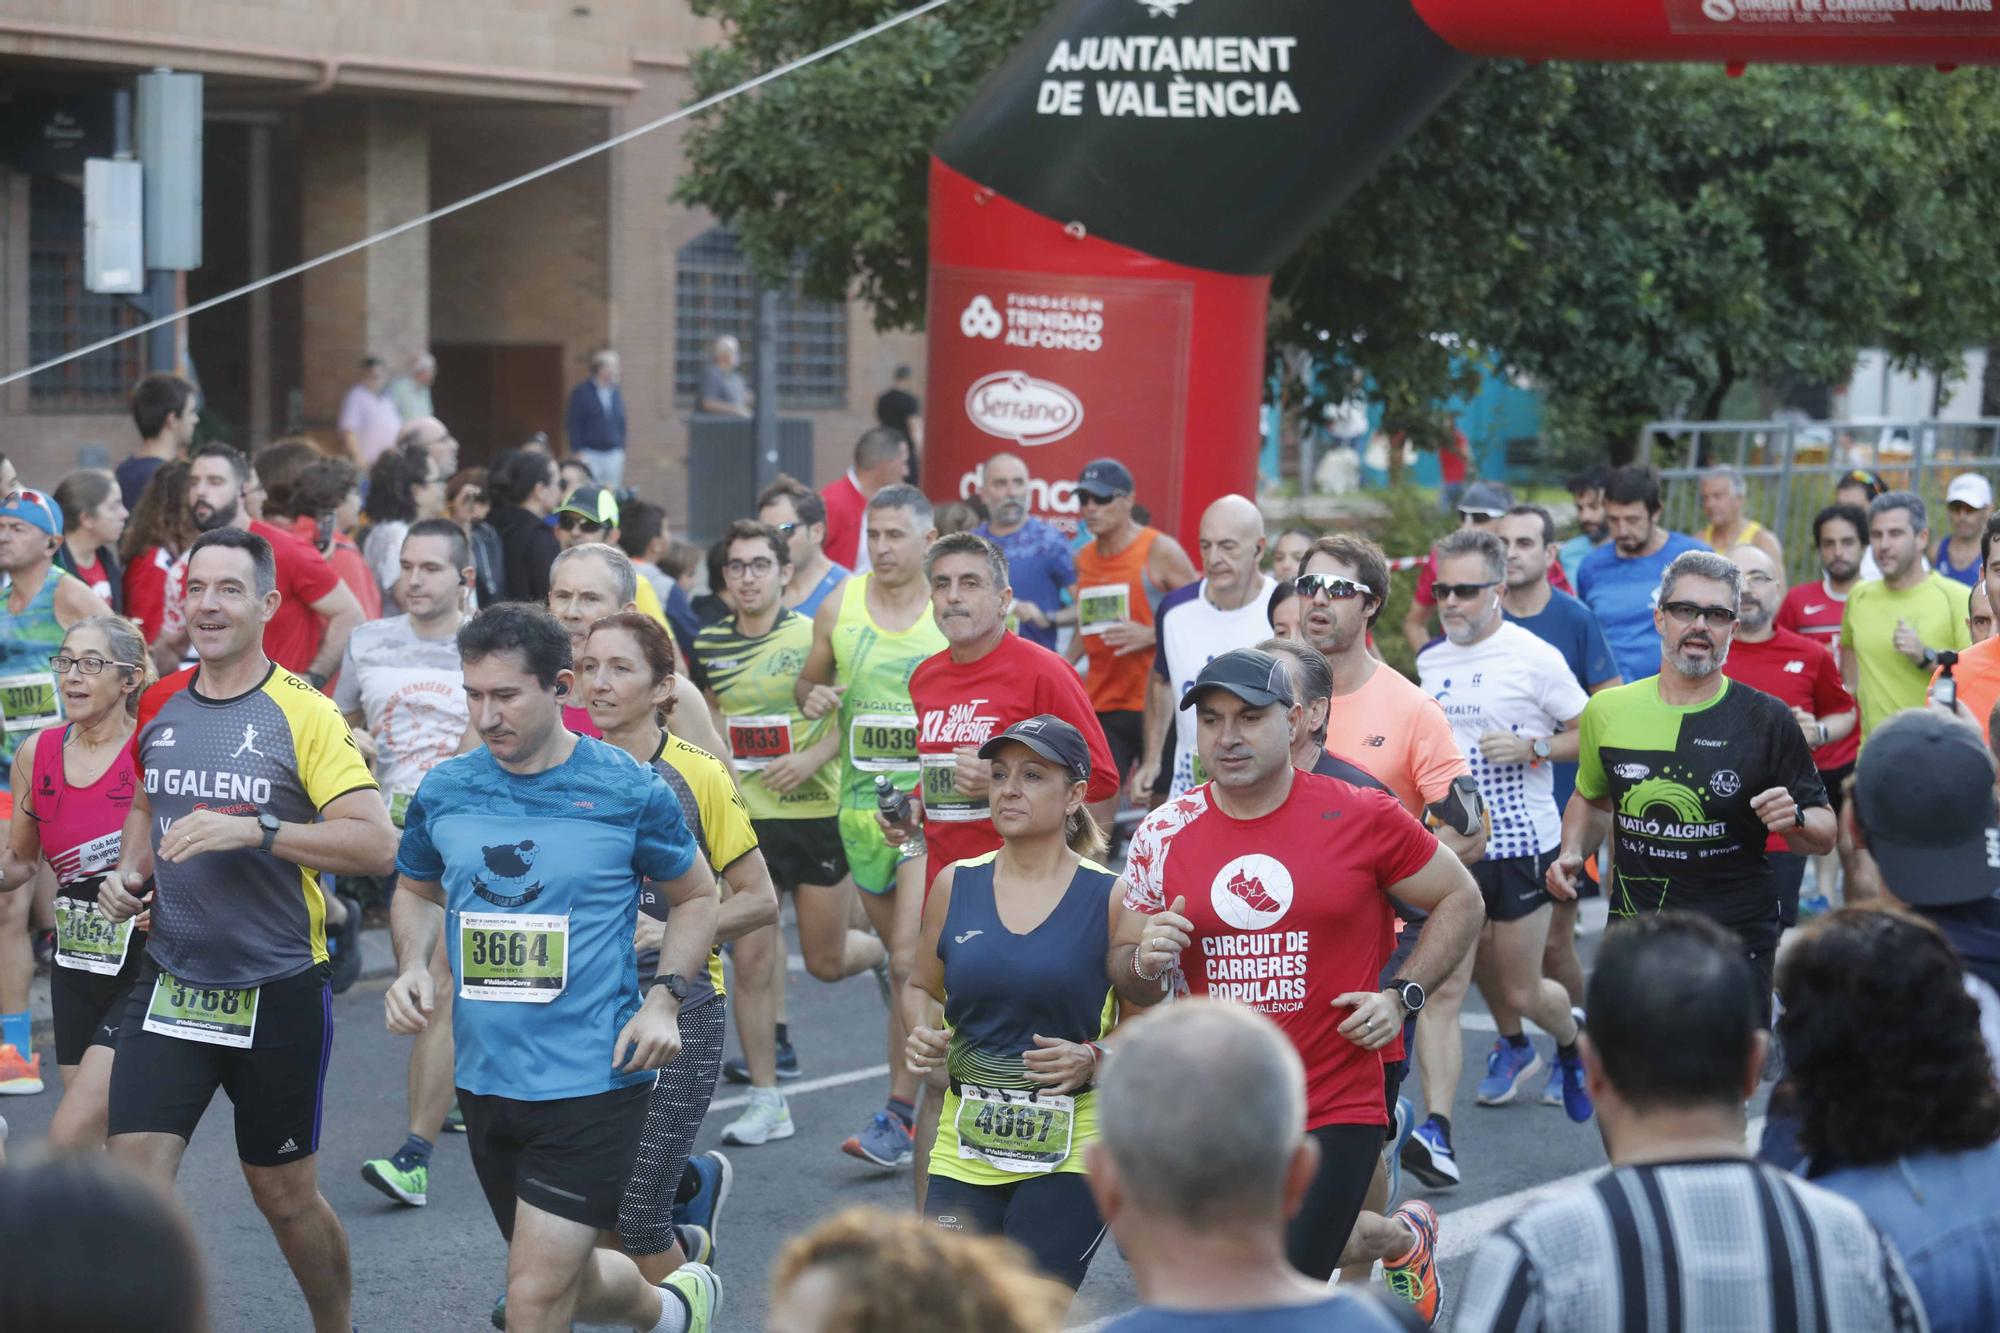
point(807, 1085)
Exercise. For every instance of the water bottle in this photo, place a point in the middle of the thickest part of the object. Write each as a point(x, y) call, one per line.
point(895, 807)
point(1945, 691)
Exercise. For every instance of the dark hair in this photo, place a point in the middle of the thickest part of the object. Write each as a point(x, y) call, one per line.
point(161, 517)
point(464, 477)
point(589, 472)
point(1853, 514)
point(55, 1220)
point(877, 445)
point(1537, 511)
point(805, 502)
point(718, 556)
point(1882, 1041)
point(157, 397)
point(1371, 567)
point(233, 456)
point(393, 483)
point(82, 491)
point(323, 487)
point(655, 645)
point(639, 522)
point(1678, 973)
point(372, 363)
point(1870, 482)
point(748, 530)
point(279, 467)
point(514, 475)
point(1307, 533)
point(461, 546)
point(1284, 592)
point(518, 627)
point(1596, 477)
point(1986, 536)
point(236, 539)
point(1634, 483)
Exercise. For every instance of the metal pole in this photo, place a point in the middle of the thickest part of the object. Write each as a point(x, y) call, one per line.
point(1785, 494)
point(766, 412)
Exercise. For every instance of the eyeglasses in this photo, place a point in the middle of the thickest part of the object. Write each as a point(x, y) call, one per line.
point(761, 566)
point(1757, 578)
point(89, 666)
point(578, 523)
point(1460, 592)
point(1333, 587)
point(1686, 613)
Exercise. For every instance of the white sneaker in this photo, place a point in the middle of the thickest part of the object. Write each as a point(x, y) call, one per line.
point(766, 1118)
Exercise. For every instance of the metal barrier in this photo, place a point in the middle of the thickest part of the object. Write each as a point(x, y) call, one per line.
point(1790, 469)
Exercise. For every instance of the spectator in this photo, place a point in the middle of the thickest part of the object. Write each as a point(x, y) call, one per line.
point(683, 564)
point(434, 436)
point(867, 1271)
point(899, 409)
point(404, 487)
point(525, 489)
point(159, 530)
point(1895, 627)
point(164, 410)
point(326, 504)
point(94, 518)
point(1587, 489)
point(466, 504)
point(1685, 1231)
point(1619, 579)
point(594, 422)
point(1969, 503)
point(1897, 1106)
point(1722, 492)
point(368, 420)
point(1201, 1159)
point(1289, 552)
point(789, 505)
point(881, 458)
point(1039, 562)
point(576, 474)
point(723, 390)
point(410, 392)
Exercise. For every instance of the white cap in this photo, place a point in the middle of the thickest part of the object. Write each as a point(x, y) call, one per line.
point(1970, 488)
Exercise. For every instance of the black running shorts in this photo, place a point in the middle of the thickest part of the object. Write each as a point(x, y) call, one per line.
point(571, 1156)
point(88, 1008)
point(802, 851)
point(1514, 886)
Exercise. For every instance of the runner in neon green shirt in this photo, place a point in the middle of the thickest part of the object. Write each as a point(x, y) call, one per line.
point(1895, 626)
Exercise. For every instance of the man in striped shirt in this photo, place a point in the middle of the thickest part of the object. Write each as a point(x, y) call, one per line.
point(1685, 1231)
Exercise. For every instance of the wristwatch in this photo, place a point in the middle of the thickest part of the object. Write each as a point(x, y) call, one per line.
point(1411, 993)
point(270, 823)
point(1541, 749)
point(676, 984)
point(1798, 816)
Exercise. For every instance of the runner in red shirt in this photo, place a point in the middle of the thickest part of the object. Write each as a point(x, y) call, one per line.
point(1272, 887)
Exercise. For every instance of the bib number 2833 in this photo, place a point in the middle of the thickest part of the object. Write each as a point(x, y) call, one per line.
point(522, 959)
point(217, 1015)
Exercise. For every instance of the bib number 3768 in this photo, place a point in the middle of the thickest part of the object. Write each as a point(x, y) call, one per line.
point(217, 1015)
point(522, 959)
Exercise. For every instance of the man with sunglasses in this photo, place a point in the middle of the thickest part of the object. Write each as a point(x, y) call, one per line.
point(800, 518)
point(1482, 506)
point(1692, 773)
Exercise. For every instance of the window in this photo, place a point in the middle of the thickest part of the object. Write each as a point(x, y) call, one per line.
point(716, 293)
point(63, 316)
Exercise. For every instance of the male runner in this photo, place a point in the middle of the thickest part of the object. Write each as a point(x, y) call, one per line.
point(1312, 686)
point(1896, 626)
point(43, 601)
point(543, 847)
point(799, 516)
point(234, 992)
point(1618, 580)
point(402, 689)
point(589, 515)
point(867, 641)
point(1482, 506)
point(1513, 706)
point(1694, 772)
point(1721, 491)
point(1271, 887)
point(1197, 623)
point(1587, 489)
point(1969, 503)
point(752, 660)
point(1978, 669)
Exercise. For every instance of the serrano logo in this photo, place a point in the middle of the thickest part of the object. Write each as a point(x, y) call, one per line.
point(980, 319)
point(1016, 406)
point(1252, 892)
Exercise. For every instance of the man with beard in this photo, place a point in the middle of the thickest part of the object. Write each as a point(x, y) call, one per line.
point(1618, 579)
point(1896, 626)
point(1041, 562)
point(1695, 772)
point(1797, 673)
point(1587, 489)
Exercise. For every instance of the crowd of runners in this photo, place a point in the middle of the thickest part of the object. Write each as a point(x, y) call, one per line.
point(1173, 887)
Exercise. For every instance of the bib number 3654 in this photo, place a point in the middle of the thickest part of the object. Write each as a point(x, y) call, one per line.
point(522, 959)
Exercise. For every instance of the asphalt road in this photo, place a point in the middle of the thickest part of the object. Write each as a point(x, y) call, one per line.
point(440, 1267)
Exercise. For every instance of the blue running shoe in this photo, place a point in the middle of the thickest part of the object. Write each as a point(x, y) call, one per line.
point(886, 1142)
point(704, 1210)
point(1507, 1067)
point(1406, 1120)
point(1552, 1091)
point(1428, 1155)
point(1575, 1097)
point(1814, 904)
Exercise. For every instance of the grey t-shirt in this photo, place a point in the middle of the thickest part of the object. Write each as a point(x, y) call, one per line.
point(724, 386)
point(411, 691)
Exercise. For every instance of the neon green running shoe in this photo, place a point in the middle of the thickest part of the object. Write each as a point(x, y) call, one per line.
point(697, 1285)
point(411, 1186)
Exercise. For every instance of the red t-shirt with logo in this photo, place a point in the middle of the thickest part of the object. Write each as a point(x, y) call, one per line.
point(1289, 911)
point(1798, 673)
point(969, 704)
point(293, 636)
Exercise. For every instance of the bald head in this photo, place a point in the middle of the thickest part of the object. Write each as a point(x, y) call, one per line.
point(1763, 588)
point(1232, 547)
point(1003, 485)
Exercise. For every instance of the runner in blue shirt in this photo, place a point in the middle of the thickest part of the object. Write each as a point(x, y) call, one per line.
point(1620, 580)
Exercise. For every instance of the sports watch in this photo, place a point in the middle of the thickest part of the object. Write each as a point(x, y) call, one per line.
point(1541, 749)
point(1411, 993)
point(270, 823)
point(675, 983)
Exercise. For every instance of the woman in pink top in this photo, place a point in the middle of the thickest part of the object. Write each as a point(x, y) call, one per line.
point(73, 786)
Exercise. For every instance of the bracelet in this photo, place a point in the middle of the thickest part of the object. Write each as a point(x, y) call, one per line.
point(1152, 980)
point(1821, 728)
point(1097, 1056)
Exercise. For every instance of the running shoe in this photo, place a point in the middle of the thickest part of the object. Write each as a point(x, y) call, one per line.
point(738, 1071)
point(887, 1142)
point(1414, 1277)
point(1507, 1067)
point(1575, 1096)
point(500, 1313)
point(1813, 905)
point(696, 1243)
point(1429, 1157)
point(19, 1077)
point(1406, 1120)
point(766, 1118)
point(704, 1210)
point(701, 1289)
point(1552, 1091)
point(454, 1119)
point(346, 946)
point(407, 1185)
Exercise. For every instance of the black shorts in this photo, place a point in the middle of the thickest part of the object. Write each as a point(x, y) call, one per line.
point(1318, 1232)
point(1395, 1071)
point(571, 1156)
point(1836, 786)
point(802, 851)
point(162, 1084)
point(1514, 886)
point(88, 1008)
point(1051, 1216)
point(1125, 733)
point(1788, 874)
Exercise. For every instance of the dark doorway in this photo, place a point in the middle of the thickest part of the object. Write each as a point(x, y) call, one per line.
point(495, 395)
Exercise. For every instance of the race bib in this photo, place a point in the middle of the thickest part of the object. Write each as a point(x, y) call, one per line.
point(29, 702)
point(399, 802)
point(86, 939)
point(942, 798)
point(502, 956)
point(755, 739)
point(883, 743)
point(1104, 605)
point(220, 1016)
point(1022, 1132)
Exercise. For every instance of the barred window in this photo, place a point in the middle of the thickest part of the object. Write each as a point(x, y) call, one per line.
point(63, 316)
point(715, 293)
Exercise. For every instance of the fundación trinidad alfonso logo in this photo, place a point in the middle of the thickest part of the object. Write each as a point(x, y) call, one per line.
point(1252, 892)
point(1014, 405)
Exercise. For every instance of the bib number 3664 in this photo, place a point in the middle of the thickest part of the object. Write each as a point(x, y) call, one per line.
point(522, 959)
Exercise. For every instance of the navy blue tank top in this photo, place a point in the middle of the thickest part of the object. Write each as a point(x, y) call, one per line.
point(1001, 989)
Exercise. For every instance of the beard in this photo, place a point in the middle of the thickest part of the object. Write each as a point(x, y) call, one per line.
point(217, 518)
point(1009, 512)
point(1698, 669)
point(1755, 616)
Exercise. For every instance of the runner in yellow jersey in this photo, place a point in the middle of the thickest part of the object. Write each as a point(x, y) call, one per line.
point(867, 639)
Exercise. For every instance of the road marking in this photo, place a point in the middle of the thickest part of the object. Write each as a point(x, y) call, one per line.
point(807, 1085)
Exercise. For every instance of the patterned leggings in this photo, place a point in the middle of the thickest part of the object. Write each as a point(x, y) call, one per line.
point(674, 1114)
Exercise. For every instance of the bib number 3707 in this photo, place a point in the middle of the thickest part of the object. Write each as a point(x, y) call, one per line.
point(522, 959)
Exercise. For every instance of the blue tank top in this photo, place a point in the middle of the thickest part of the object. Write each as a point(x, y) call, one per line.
point(1967, 574)
point(27, 641)
point(1002, 988)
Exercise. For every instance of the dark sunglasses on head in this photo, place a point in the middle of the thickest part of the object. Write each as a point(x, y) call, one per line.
point(1686, 613)
point(577, 522)
point(1333, 587)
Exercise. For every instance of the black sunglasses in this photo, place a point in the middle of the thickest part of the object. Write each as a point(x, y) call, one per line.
point(1333, 587)
point(1718, 617)
point(577, 522)
point(1459, 592)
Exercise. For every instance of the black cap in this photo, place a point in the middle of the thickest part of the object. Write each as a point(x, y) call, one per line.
point(1488, 499)
point(1252, 675)
point(1924, 794)
point(1050, 737)
point(1104, 478)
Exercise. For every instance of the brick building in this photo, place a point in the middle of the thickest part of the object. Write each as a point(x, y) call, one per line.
point(325, 123)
